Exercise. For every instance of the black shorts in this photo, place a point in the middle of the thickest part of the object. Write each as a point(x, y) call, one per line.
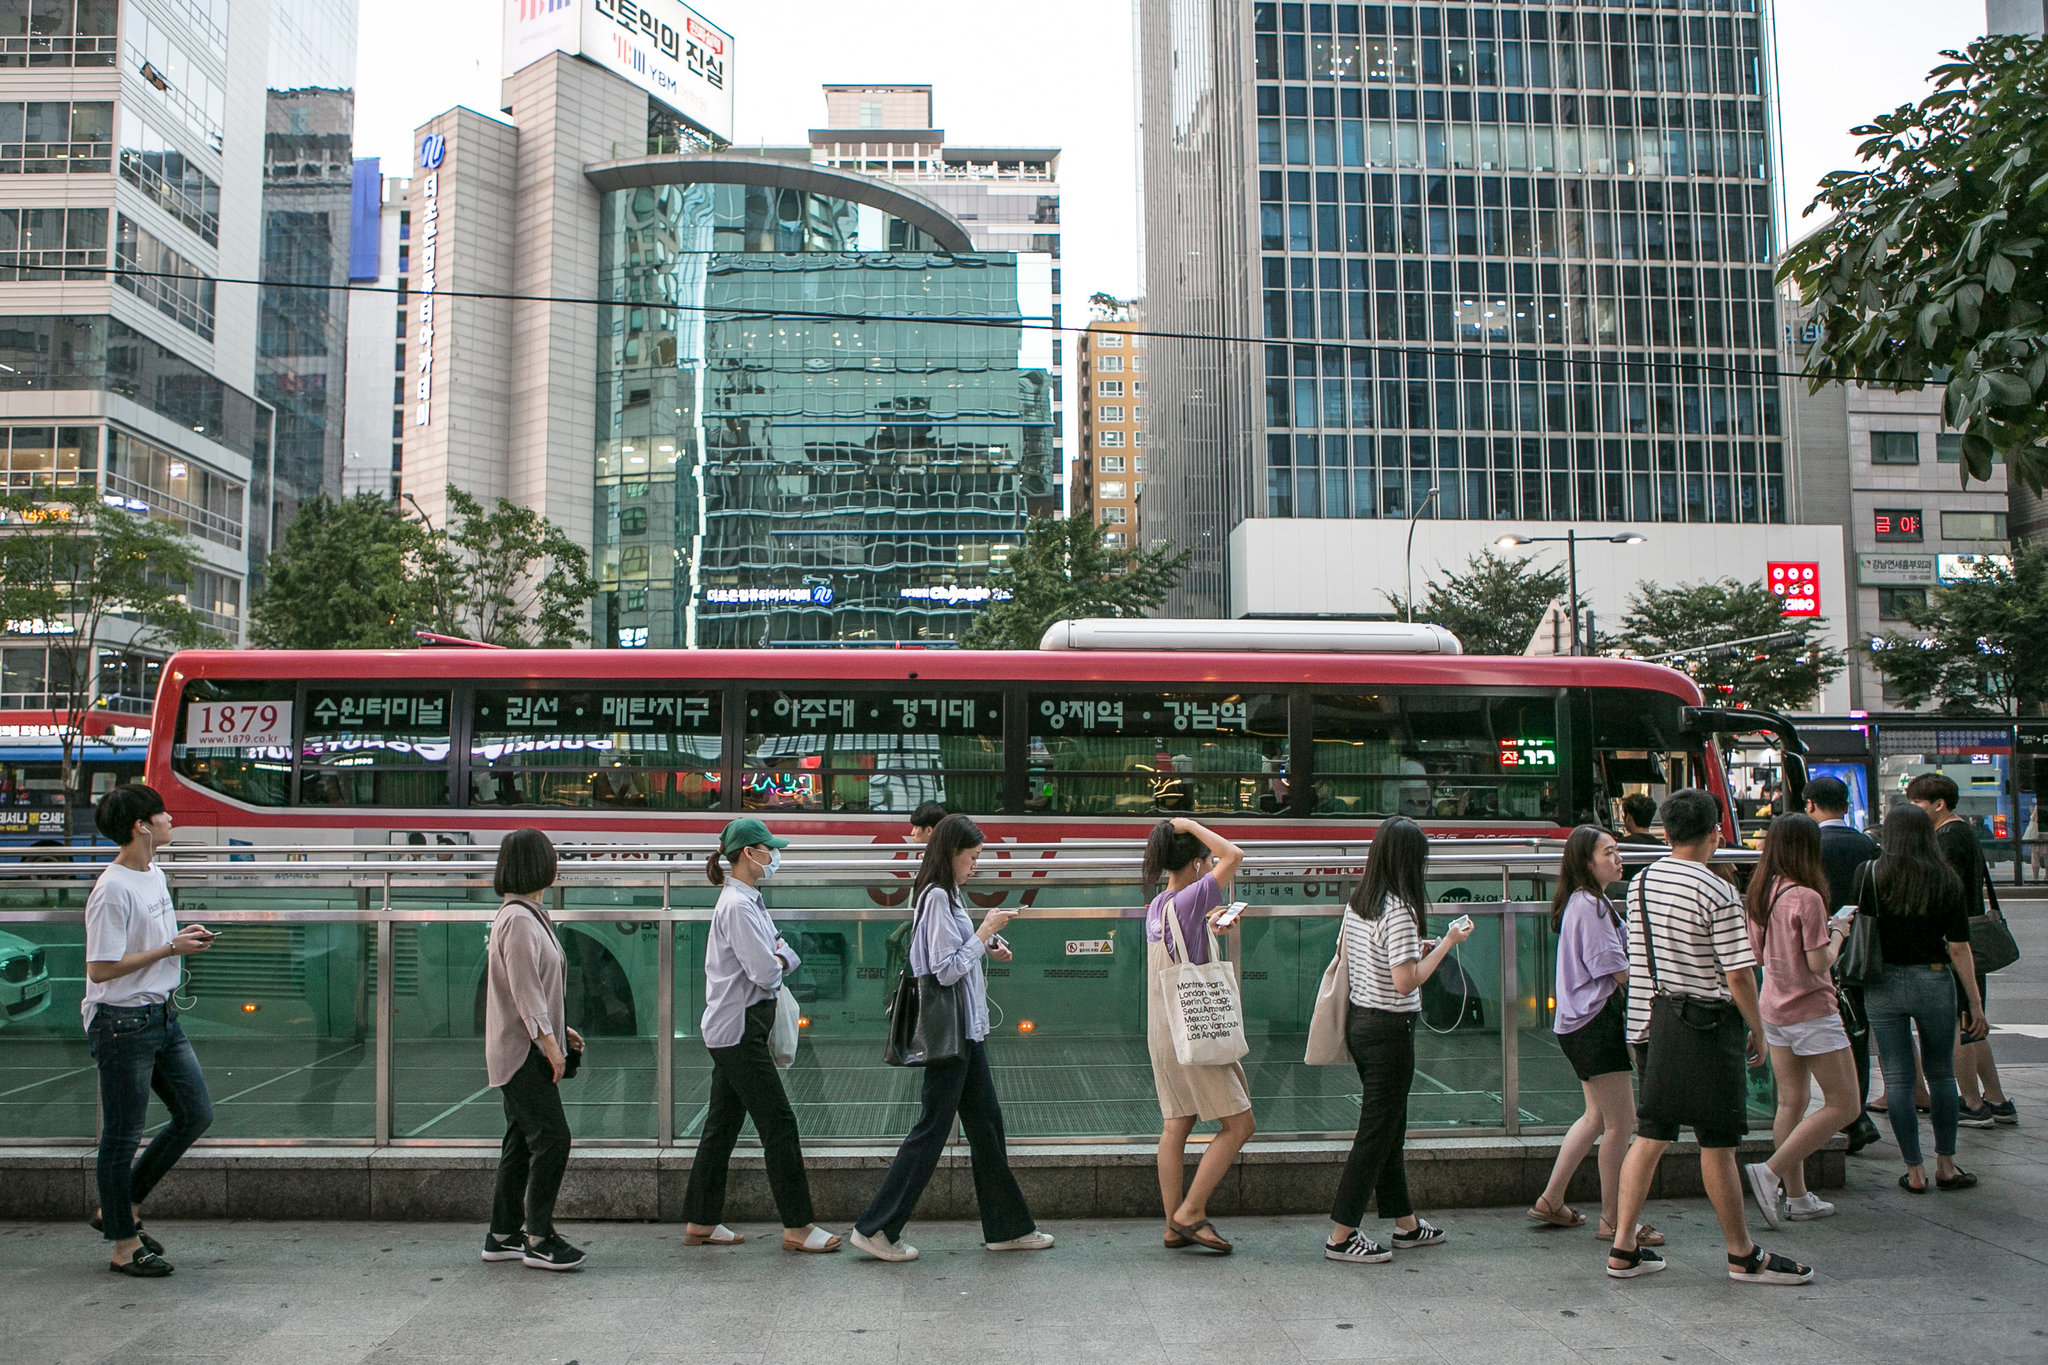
point(1695, 1078)
point(1599, 1046)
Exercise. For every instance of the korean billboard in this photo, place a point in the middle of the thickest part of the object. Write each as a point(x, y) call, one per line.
point(663, 46)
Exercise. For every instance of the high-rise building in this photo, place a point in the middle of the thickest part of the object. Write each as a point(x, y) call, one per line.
point(1109, 468)
point(1490, 267)
point(380, 256)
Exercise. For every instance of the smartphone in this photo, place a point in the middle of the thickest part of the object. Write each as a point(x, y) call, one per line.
point(998, 941)
point(1230, 915)
point(1846, 912)
point(1462, 922)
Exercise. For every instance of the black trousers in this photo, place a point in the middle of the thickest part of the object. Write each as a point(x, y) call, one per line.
point(535, 1152)
point(1383, 1048)
point(745, 1084)
point(964, 1088)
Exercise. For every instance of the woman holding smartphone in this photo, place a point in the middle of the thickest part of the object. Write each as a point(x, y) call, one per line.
point(946, 944)
point(1389, 961)
point(1198, 865)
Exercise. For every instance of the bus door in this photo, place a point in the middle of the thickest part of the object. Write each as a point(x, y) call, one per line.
point(1715, 723)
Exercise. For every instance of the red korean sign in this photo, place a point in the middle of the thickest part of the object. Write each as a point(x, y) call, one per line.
point(1797, 587)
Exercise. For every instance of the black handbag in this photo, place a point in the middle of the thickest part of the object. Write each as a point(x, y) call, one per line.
point(1991, 941)
point(1862, 959)
point(1701, 1047)
point(927, 1019)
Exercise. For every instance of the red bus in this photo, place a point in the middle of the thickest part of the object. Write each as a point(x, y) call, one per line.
point(460, 745)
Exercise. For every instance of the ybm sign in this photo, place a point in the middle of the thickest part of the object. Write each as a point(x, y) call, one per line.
point(663, 46)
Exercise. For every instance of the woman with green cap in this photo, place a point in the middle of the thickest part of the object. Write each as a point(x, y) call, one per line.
point(744, 962)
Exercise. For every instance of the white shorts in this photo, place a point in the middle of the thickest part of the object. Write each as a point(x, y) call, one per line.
point(1809, 1037)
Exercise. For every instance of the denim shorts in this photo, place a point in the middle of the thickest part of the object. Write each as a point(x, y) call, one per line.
point(1809, 1037)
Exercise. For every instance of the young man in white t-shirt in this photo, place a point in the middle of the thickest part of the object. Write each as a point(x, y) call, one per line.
point(132, 947)
point(1691, 962)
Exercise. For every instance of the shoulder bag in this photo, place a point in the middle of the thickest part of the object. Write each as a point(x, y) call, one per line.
point(1862, 959)
point(1203, 1014)
point(1697, 1051)
point(1991, 941)
point(927, 1020)
point(1330, 1020)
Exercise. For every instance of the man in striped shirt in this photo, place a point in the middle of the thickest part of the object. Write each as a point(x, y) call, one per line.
point(1692, 1003)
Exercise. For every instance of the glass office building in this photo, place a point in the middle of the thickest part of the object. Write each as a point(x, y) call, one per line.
point(817, 420)
point(1517, 254)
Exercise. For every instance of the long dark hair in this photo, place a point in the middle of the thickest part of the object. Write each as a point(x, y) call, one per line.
point(1168, 850)
point(1791, 852)
point(1393, 871)
point(1575, 874)
point(1911, 874)
point(955, 835)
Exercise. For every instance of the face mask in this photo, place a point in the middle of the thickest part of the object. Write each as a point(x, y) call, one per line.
point(774, 864)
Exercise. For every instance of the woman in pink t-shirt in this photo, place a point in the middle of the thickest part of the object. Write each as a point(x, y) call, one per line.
point(1797, 945)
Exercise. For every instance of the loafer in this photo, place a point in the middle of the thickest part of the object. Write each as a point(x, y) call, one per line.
point(144, 1265)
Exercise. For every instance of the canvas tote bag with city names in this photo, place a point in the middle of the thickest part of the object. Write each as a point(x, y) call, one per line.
point(1203, 1014)
point(1329, 1022)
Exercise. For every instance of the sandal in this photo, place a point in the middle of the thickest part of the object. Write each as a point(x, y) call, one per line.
point(1646, 1236)
point(720, 1236)
point(817, 1241)
point(1213, 1242)
point(144, 1265)
point(1563, 1216)
point(149, 1243)
point(1961, 1180)
point(1906, 1184)
point(1641, 1261)
point(1767, 1267)
point(1173, 1241)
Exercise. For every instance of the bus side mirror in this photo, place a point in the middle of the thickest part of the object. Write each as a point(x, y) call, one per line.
point(1795, 780)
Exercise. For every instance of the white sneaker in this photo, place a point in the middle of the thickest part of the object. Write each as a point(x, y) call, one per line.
point(1033, 1240)
point(881, 1248)
point(1769, 1191)
point(1807, 1207)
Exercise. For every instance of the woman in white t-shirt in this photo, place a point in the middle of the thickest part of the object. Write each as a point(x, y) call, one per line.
point(1388, 962)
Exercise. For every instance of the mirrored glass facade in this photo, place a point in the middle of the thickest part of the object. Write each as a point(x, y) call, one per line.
point(812, 424)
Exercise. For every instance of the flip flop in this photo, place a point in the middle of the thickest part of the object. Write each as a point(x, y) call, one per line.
point(1961, 1180)
point(1646, 1236)
point(1563, 1216)
point(1173, 1241)
point(720, 1236)
point(817, 1242)
point(1213, 1242)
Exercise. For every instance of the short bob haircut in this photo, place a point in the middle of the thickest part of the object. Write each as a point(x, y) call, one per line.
point(526, 864)
point(117, 812)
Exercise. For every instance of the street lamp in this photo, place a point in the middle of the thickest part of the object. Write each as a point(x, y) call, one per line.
point(1570, 540)
point(425, 520)
point(1427, 499)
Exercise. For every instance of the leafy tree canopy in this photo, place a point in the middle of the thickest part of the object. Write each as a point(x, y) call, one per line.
point(1929, 271)
point(1692, 615)
point(1982, 644)
point(507, 576)
point(1494, 606)
point(1062, 571)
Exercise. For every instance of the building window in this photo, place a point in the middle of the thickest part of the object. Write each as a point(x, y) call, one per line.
point(1111, 412)
point(176, 488)
point(1973, 526)
point(1109, 438)
point(1139, 438)
point(870, 113)
point(166, 280)
point(1948, 448)
point(1895, 447)
point(1893, 525)
point(1114, 516)
point(36, 244)
point(45, 457)
point(170, 178)
point(1110, 388)
point(1109, 364)
point(1110, 464)
point(1138, 414)
point(59, 33)
point(1110, 488)
point(1140, 464)
point(51, 137)
point(1893, 603)
point(184, 85)
point(1113, 539)
point(1109, 339)
point(1137, 388)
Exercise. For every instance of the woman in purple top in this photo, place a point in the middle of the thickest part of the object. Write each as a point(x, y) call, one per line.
point(1590, 1023)
point(1198, 865)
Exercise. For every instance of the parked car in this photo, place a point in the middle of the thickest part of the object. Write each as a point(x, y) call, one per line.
point(24, 979)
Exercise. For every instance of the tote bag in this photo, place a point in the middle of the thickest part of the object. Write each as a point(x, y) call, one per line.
point(1991, 941)
point(782, 1038)
point(1204, 1016)
point(1329, 1022)
point(1862, 958)
point(927, 1020)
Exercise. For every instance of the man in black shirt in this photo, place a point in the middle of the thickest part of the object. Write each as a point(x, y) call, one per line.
point(1984, 1099)
point(1844, 850)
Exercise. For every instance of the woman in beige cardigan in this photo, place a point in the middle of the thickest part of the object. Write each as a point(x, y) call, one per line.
point(527, 1046)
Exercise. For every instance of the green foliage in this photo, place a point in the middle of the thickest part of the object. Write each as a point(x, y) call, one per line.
point(1064, 571)
point(1983, 642)
point(1691, 615)
point(1929, 271)
point(341, 579)
point(1494, 606)
point(508, 576)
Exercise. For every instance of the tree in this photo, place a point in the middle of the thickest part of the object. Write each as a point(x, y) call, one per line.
point(1064, 571)
point(1494, 606)
point(507, 577)
point(73, 565)
point(1984, 641)
point(1927, 272)
point(342, 579)
point(1692, 615)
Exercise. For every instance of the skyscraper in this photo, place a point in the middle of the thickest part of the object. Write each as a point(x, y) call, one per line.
point(1109, 465)
point(1488, 265)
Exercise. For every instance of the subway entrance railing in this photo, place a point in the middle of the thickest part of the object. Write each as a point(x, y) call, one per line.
point(343, 1003)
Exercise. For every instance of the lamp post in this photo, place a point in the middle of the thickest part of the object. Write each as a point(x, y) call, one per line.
point(1570, 540)
point(1427, 499)
point(425, 520)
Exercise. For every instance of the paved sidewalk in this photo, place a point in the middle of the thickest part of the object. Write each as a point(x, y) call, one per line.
point(1960, 1277)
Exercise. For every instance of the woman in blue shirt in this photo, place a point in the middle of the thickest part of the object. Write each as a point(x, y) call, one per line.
point(744, 963)
point(945, 943)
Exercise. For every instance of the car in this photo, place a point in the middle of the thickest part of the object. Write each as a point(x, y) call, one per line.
point(24, 979)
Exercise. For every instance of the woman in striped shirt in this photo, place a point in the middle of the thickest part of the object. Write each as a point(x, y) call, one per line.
point(1388, 961)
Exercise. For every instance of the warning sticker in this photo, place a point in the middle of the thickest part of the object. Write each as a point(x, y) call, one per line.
point(1090, 947)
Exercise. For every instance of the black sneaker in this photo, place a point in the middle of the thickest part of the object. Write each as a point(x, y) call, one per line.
point(1358, 1249)
point(1426, 1234)
point(552, 1253)
point(1980, 1117)
point(2005, 1112)
point(498, 1248)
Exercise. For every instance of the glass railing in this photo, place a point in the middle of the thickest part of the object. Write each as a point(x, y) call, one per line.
point(343, 1002)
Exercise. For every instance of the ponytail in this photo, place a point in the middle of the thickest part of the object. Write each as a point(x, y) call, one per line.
point(1168, 850)
point(714, 870)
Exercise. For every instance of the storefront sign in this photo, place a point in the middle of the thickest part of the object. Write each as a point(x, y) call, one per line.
point(1797, 587)
point(818, 594)
point(1961, 568)
point(953, 595)
point(1894, 571)
point(426, 247)
point(663, 46)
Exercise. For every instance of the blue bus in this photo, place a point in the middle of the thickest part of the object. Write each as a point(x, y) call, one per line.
point(32, 796)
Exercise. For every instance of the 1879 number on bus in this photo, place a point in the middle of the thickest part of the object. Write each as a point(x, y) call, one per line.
point(239, 724)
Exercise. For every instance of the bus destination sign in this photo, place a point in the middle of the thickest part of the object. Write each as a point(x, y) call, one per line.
point(585, 711)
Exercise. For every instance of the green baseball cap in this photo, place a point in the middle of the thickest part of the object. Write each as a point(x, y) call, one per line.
point(746, 833)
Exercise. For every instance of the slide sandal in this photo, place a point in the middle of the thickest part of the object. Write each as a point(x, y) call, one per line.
point(720, 1236)
point(817, 1242)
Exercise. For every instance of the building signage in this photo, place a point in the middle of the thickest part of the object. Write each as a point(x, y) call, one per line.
point(238, 725)
point(1897, 523)
point(818, 594)
point(1797, 587)
point(1960, 568)
point(951, 594)
point(1889, 571)
point(663, 46)
point(426, 247)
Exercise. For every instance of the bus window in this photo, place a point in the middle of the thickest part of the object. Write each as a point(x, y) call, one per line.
point(873, 751)
point(594, 748)
point(374, 746)
point(1437, 757)
point(236, 738)
point(1130, 753)
point(1641, 748)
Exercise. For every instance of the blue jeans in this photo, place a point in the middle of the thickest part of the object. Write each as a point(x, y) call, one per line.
point(141, 1048)
point(1920, 997)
